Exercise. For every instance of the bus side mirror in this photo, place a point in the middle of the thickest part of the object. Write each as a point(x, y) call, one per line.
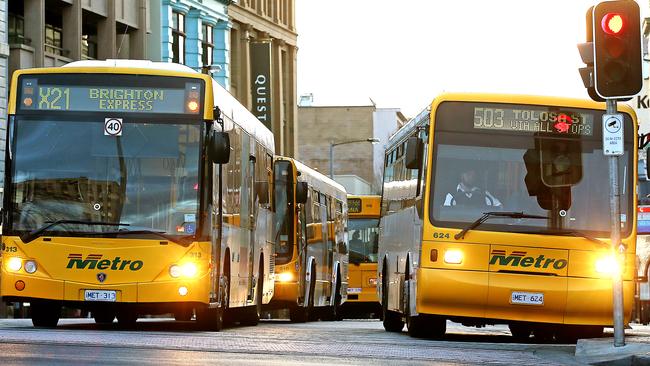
point(219, 147)
point(413, 153)
point(301, 192)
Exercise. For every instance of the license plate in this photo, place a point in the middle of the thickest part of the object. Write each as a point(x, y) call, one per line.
point(354, 290)
point(527, 298)
point(100, 295)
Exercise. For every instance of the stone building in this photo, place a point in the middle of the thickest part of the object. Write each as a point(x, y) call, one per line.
point(321, 126)
point(263, 51)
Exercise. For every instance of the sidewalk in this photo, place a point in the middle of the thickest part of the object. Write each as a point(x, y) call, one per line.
point(601, 351)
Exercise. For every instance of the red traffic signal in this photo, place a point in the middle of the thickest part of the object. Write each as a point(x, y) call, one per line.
point(617, 49)
point(613, 23)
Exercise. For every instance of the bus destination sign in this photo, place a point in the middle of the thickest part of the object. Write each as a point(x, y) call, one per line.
point(530, 120)
point(80, 98)
point(354, 205)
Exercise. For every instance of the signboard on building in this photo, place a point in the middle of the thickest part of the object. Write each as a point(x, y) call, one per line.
point(261, 81)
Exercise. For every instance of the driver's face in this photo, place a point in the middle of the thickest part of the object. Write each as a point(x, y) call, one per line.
point(468, 178)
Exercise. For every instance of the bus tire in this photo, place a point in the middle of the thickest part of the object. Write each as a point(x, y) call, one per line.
point(302, 313)
point(426, 326)
point(392, 320)
point(213, 319)
point(104, 317)
point(335, 313)
point(253, 315)
point(45, 314)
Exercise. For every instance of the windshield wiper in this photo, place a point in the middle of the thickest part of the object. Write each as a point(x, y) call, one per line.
point(28, 237)
point(570, 233)
point(488, 215)
point(180, 240)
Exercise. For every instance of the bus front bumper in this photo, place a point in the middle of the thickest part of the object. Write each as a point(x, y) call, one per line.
point(490, 295)
point(19, 286)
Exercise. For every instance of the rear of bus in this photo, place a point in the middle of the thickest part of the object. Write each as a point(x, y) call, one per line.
point(516, 217)
point(104, 192)
point(363, 237)
point(642, 303)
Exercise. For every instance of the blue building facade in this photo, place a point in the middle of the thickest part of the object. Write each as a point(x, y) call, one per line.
point(192, 32)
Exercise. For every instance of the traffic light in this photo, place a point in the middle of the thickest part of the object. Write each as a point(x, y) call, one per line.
point(617, 49)
point(552, 168)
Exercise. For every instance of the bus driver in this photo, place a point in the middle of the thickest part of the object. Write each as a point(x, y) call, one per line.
point(467, 194)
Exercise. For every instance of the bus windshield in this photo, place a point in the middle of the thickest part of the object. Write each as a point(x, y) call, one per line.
point(70, 169)
point(536, 160)
point(284, 212)
point(364, 234)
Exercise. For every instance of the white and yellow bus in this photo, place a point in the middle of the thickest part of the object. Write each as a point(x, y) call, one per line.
point(135, 188)
point(363, 235)
point(310, 242)
point(495, 209)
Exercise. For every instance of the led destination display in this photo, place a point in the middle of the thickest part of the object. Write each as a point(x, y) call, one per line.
point(79, 98)
point(530, 120)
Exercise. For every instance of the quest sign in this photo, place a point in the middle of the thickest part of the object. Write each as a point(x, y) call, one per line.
point(261, 81)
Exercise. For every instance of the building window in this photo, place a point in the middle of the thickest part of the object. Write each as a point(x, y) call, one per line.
point(17, 30)
point(178, 41)
point(89, 41)
point(208, 44)
point(53, 40)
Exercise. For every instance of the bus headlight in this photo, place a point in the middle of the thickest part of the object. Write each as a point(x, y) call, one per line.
point(30, 266)
point(453, 256)
point(175, 271)
point(189, 270)
point(285, 277)
point(14, 264)
point(608, 265)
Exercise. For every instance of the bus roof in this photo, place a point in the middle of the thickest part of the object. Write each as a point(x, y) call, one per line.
point(423, 117)
point(320, 181)
point(226, 102)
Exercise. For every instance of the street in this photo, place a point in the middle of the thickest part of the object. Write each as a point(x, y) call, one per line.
point(162, 341)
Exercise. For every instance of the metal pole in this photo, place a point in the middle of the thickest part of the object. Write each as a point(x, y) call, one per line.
point(331, 161)
point(615, 207)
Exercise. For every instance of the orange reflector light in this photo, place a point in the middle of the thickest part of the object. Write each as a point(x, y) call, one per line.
point(433, 255)
point(28, 102)
point(193, 106)
point(20, 285)
point(613, 23)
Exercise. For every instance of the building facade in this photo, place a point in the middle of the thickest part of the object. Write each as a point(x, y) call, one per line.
point(263, 51)
point(192, 32)
point(37, 35)
point(321, 127)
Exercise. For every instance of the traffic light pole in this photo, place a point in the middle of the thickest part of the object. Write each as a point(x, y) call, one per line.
point(617, 246)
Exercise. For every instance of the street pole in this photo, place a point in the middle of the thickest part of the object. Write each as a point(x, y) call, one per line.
point(617, 247)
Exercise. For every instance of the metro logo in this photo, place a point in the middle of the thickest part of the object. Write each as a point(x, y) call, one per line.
point(95, 261)
point(519, 259)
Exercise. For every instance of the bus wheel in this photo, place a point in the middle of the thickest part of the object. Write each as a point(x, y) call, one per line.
point(298, 314)
point(45, 314)
point(520, 332)
point(334, 312)
point(426, 326)
point(104, 317)
point(392, 320)
point(214, 318)
point(252, 316)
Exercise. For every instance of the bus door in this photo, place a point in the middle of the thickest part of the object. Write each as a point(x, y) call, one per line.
point(301, 241)
point(326, 243)
point(247, 223)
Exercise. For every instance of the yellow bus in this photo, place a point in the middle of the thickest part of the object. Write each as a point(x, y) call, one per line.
point(311, 254)
point(495, 209)
point(135, 188)
point(363, 235)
